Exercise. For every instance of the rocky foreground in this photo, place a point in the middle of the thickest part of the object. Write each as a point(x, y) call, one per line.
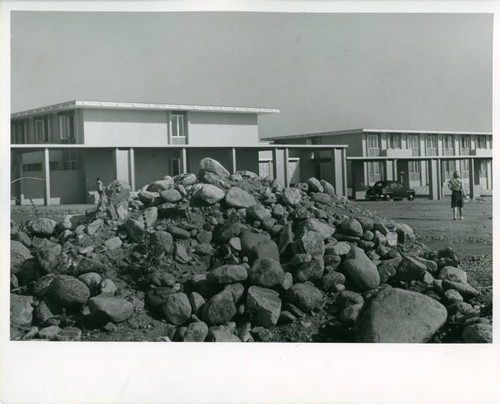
point(236, 258)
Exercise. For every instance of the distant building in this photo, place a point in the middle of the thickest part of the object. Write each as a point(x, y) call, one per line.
point(58, 151)
point(423, 160)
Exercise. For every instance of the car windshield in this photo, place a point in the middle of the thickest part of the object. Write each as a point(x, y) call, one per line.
point(379, 184)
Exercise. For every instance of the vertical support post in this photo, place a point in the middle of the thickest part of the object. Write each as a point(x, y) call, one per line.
point(433, 179)
point(115, 163)
point(184, 160)
point(287, 166)
point(472, 179)
point(333, 162)
point(233, 159)
point(344, 172)
point(395, 173)
point(46, 166)
point(275, 162)
point(439, 179)
point(131, 168)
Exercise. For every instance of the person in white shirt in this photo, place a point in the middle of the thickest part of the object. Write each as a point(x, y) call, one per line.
point(457, 195)
point(100, 190)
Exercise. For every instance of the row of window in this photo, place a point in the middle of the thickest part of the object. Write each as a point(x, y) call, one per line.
point(430, 141)
point(69, 161)
point(375, 169)
point(66, 130)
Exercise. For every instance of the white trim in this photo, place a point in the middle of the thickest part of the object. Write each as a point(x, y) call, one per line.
point(146, 106)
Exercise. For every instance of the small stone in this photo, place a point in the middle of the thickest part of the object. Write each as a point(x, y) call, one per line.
point(348, 298)
point(21, 310)
point(238, 198)
point(351, 227)
point(464, 289)
point(409, 269)
point(68, 291)
point(91, 279)
point(113, 243)
point(49, 332)
point(69, 334)
point(210, 194)
point(43, 227)
point(258, 212)
point(314, 185)
point(196, 332)
point(305, 296)
point(48, 257)
point(237, 290)
point(327, 187)
point(197, 301)
point(452, 296)
point(291, 196)
point(349, 314)
point(287, 281)
point(108, 287)
point(312, 243)
point(391, 239)
point(178, 232)
point(228, 274)
point(452, 274)
point(18, 255)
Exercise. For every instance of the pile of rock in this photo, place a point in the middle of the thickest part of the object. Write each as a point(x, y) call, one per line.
point(223, 257)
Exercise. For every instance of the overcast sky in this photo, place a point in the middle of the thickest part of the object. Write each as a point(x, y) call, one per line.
point(324, 71)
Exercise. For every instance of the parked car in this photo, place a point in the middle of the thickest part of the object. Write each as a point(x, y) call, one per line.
point(389, 190)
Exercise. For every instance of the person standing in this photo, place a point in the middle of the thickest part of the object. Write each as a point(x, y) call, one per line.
point(100, 190)
point(457, 195)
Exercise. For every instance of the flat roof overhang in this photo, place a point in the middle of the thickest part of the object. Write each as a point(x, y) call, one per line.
point(383, 158)
point(142, 106)
point(42, 146)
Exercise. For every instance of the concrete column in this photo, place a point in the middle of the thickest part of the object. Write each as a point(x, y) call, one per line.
point(439, 179)
point(46, 168)
point(433, 179)
point(184, 160)
point(115, 163)
point(275, 162)
point(395, 174)
point(233, 159)
point(337, 171)
point(344, 172)
point(131, 168)
point(472, 179)
point(387, 169)
point(286, 158)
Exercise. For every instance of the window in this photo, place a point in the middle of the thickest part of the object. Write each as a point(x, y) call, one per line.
point(464, 145)
point(373, 145)
point(33, 167)
point(394, 141)
point(414, 145)
point(70, 160)
point(178, 125)
point(66, 131)
point(18, 132)
point(414, 170)
point(176, 166)
point(374, 172)
point(41, 130)
point(431, 145)
point(54, 165)
point(448, 145)
point(464, 168)
point(481, 142)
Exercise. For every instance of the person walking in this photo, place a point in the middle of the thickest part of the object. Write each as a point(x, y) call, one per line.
point(457, 195)
point(100, 190)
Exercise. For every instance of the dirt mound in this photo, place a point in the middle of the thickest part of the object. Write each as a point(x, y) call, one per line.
point(219, 257)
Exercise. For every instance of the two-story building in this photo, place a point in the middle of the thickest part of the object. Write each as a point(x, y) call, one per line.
point(58, 151)
point(423, 160)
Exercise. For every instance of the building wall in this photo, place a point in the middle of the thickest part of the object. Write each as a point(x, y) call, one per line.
point(209, 129)
point(151, 165)
point(96, 163)
point(105, 127)
point(247, 159)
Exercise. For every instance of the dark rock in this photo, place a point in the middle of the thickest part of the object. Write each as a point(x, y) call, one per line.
point(266, 249)
point(177, 308)
point(112, 309)
point(237, 290)
point(258, 212)
point(305, 296)
point(322, 198)
point(349, 314)
point(478, 334)
point(387, 269)
point(309, 271)
point(266, 272)
point(67, 291)
point(197, 302)
point(351, 227)
point(417, 316)
point(327, 187)
point(48, 257)
point(162, 243)
point(348, 298)
point(196, 332)
point(409, 269)
point(178, 232)
point(250, 239)
point(228, 274)
point(156, 297)
point(220, 308)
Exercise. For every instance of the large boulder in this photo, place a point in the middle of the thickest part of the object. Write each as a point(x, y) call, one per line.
point(264, 306)
point(351, 227)
point(196, 332)
point(452, 274)
point(177, 308)
point(360, 271)
point(323, 229)
point(239, 198)
point(409, 269)
point(399, 316)
point(213, 166)
point(291, 196)
point(312, 243)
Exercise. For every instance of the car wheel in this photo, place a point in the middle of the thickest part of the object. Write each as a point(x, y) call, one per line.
point(411, 197)
point(387, 197)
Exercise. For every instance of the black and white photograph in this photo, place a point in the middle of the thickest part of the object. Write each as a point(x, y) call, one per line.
point(180, 179)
